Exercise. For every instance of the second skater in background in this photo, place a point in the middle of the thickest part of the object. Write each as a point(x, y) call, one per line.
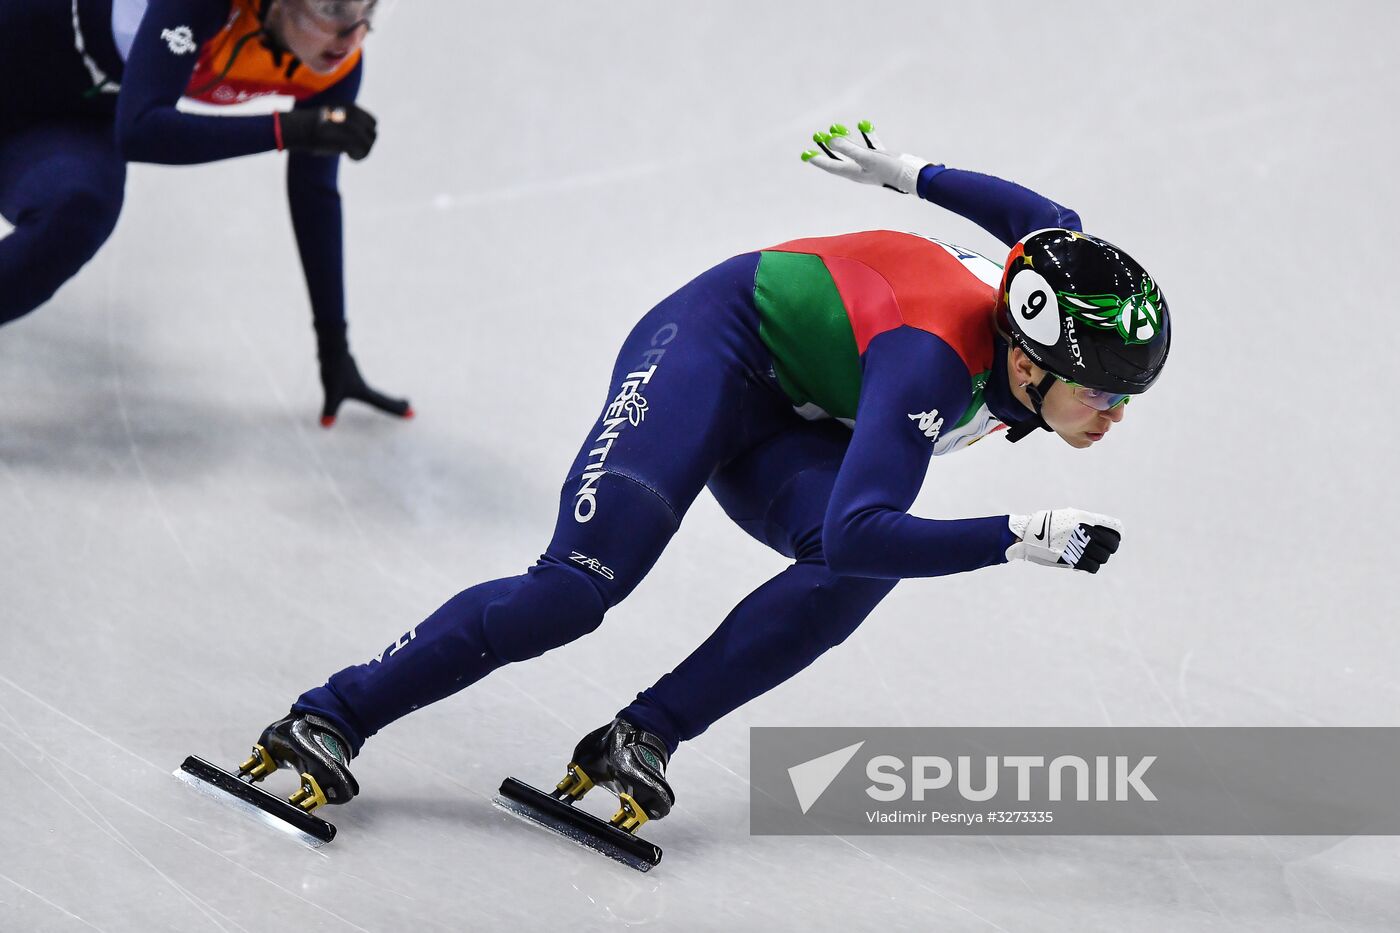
point(807, 385)
point(94, 85)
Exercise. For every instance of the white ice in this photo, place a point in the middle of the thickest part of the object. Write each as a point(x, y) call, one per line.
point(183, 550)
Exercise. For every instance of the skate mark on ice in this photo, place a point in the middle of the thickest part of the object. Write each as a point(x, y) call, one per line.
point(1265, 841)
point(756, 150)
point(1266, 697)
point(1140, 657)
point(377, 886)
point(921, 884)
point(1181, 669)
point(1016, 870)
point(317, 462)
point(1098, 696)
point(539, 704)
point(440, 774)
point(179, 832)
point(135, 447)
point(889, 867)
point(98, 820)
point(890, 694)
point(58, 907)
point(554, 186)
point(86, 728)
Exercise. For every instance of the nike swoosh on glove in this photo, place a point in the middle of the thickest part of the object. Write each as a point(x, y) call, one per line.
point(1067, 538)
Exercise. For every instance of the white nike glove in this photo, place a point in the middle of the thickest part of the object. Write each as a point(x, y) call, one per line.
point(1066, 538)
point(864, 160)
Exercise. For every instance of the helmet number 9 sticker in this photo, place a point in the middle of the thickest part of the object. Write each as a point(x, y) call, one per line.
point(1029, 295)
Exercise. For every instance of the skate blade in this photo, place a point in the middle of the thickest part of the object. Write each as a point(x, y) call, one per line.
point(535, 806)
point(215, 782)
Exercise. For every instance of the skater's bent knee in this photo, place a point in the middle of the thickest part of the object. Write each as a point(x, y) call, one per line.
point(836, 605)
point(84, 217)
point(641, 501)
point(552, 607)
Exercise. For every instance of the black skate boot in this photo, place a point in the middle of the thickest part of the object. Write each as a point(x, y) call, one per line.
point(627, 761)
point(315, 749)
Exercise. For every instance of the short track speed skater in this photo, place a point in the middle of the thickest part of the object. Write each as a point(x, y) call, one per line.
point(313, 749)
point(626, 760)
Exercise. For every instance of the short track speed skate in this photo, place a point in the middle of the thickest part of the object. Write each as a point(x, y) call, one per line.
point(313, 748)
point(626, 760)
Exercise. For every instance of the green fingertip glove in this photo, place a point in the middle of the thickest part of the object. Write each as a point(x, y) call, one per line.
point(864, 158)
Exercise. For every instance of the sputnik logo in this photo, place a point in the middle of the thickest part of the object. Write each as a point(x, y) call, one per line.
point(811, 778)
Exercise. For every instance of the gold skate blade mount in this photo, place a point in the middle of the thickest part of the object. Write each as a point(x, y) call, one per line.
point(258, 766)
point(556, 813)
point(574, 785)
point(309, 796)
point(274, 811)
point(629, 815)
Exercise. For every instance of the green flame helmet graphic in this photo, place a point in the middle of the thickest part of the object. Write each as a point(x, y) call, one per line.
point(1137, 318)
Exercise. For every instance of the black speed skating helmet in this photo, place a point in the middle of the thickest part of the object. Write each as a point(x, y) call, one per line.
point(1085, 311)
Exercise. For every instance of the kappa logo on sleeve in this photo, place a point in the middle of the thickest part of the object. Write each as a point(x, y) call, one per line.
point(180, 39)
point(929, 423)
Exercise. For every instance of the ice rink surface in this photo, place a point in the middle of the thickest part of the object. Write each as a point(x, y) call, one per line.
point(183, 550)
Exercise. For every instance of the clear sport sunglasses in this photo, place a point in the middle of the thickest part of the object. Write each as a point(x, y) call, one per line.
point(342, 17)
point(1096, 399)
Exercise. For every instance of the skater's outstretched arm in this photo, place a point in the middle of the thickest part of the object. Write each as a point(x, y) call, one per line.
point(1004, 209)
point(313, 194)
point(166, 53)
point(914, 387)
point(163, 56)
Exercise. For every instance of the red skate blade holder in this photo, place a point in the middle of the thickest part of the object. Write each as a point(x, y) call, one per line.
point(277, 812)
point(535, 806)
